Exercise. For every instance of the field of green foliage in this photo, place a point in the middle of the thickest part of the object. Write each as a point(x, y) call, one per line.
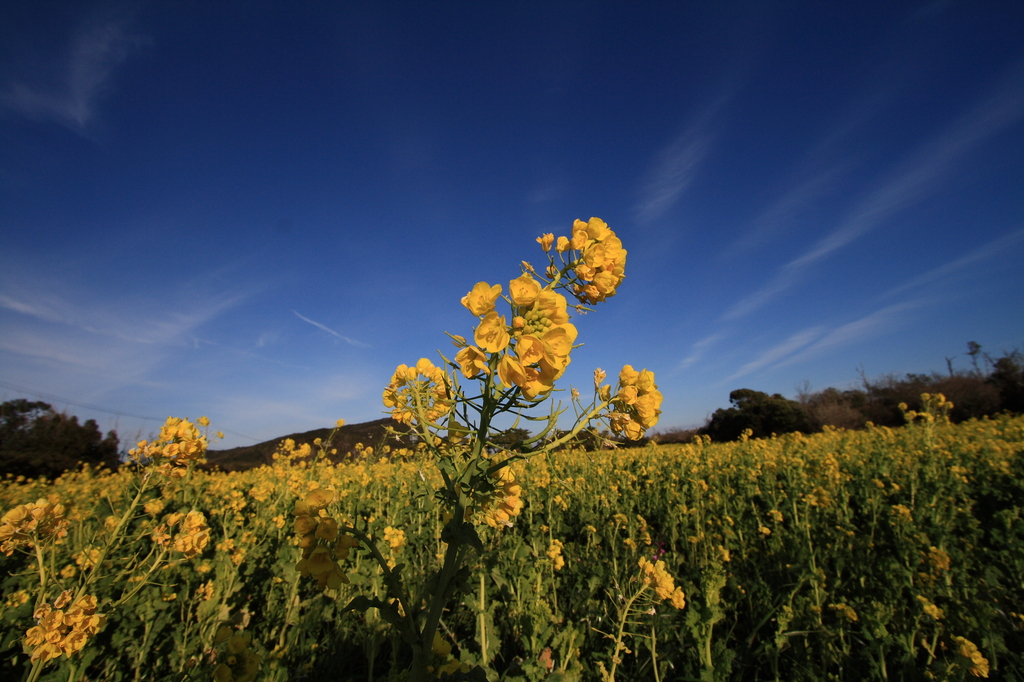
point(849, 555)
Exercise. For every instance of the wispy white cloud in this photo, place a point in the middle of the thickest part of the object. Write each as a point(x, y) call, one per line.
point(994, 248)
point(776, 353)
point(243, 353)
point(73, 82)
point(133, 321)
point(699, 348)
point(784, 211)
point(919, 175)
point(94, 345)
point(351, 342)
point(676, 165)
point(872, 325)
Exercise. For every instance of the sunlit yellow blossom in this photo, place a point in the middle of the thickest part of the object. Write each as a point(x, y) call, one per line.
point(63, 632)
point(504, 502)
point(637, 405)
point(180, 444)
point(395, 538)
point(655, 575)
point(555, 554)
point(425, 380)
point(545, 241)
point(492, 333)
point(480, 300)
point(472, 360)
point(511, 372)
point(194, 535)
point(42, 519)
point(524, 290)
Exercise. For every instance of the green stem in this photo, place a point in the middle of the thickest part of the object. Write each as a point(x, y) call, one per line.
point(621, 633)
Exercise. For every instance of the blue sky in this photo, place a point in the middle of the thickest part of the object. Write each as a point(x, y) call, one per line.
point(256, 210)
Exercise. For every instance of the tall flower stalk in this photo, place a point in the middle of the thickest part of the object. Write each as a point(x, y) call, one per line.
point(510, 366)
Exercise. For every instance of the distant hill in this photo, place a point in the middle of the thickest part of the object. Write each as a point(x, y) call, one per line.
point(368, 433)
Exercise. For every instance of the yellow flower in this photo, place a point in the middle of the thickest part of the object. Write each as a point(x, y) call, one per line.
point(530, 350)
point(43, 519)
point(304, 525)
point(555, 554)
point(969, 650)
point(327, 529)
point(637, 405)
point(524, 290)
point(472, 361)
point(628, 376)
point(429, 382)
point(511, 372)
point(492, 333)
point(537, 384)
point(664, 586)
point(930, 608)
point(440, 646)
point(602, 266)
point(545, 241)
point(504, 502)
point(480, 300)
point(239, 643)
point(394, 537)
point(318, 563)
point(597, 229)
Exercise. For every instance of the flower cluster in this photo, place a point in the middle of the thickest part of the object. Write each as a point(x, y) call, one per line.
point(637, 404)
point(934, 408)
point(969, 651)
point(504, 501)
point(401, 394)
point(29, 523)
point(531, 353)
point(180, 443)
point(240, 664)
point(555, 554)
point(60, 632)
point(655, 575)
point(601, 265)
point(194, 535)
point(931, 609)
point(313, 525)
point(396, 540)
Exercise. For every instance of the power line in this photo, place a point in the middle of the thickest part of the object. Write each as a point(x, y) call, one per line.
point(117, 413)
point(59, 399)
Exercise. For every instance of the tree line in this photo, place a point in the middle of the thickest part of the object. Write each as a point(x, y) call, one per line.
point(37, 441)
point(990, 386)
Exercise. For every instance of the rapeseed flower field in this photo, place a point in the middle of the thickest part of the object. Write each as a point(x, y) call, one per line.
point(877, 554)
point(847, 555)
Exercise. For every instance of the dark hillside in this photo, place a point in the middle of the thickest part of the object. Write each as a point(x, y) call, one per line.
point(368, 433)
